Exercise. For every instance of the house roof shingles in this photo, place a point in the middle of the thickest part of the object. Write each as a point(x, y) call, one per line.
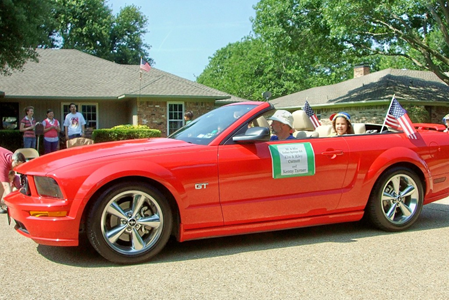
point(72, 73)
point(405, 84)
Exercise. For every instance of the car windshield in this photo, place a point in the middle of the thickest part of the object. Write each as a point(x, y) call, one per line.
point(208, 126)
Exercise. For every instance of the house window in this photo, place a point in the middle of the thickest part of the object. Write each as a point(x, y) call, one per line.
point(175, 116)
point(88, 110)
point(9, 115)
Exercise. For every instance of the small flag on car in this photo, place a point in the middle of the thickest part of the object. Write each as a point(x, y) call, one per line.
point(309, 111)
point(397, 117)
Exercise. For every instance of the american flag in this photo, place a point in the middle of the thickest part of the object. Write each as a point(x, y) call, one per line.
point(144, 65)
point(309, 111)
point(397, 117)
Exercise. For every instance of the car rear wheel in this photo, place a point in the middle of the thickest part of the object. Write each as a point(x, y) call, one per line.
point(129, 223)
point(396, 200)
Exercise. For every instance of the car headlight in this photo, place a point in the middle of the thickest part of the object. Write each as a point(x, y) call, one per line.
point(47, 187)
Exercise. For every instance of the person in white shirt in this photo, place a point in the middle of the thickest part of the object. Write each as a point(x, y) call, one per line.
point(74, 123)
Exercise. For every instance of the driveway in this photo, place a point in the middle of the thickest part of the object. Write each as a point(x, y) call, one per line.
point(344, 261)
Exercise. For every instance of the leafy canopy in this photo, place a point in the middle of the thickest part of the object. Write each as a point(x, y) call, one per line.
point(90, 26)
point(24, 25)
point(86, 25)
point(307, 43)
point(251, 67)
point(342, 30)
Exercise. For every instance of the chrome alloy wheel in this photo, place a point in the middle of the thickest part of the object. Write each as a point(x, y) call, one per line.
point(399, 200)
point(132, 222)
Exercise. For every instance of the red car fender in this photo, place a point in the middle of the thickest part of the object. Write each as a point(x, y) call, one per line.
point(123, 169)
point(395, 156)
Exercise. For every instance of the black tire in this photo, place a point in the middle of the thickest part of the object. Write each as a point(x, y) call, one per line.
point(129, 223)
point(396, 200)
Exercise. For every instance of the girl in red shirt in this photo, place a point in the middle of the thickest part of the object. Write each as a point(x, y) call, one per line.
point(51, 132)
point(27, 126)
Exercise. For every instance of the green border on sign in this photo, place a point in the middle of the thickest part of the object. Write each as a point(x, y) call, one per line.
point(276, 160)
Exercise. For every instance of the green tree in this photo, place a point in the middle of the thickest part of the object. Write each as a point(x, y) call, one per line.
point(24, 25)
point(299, 27)
point(90, 26)
point(238, 63)
point(350, 30)
point(283, 56)
point(83, 25)
point(309, 43)
point(126, 36)
point(250, 67)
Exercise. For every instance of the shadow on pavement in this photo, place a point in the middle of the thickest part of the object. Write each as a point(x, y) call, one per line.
point(433, 216)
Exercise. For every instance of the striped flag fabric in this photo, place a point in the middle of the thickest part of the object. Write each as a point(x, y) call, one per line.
point(144, 65)
point(309, 111)
point(397, 117)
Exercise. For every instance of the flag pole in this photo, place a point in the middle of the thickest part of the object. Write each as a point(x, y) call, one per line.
point(388, 111)
point(140, 80)
point(140, 69)
point(140, 83)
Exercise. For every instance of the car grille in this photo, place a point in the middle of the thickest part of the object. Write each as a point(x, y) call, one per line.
point(21, 227)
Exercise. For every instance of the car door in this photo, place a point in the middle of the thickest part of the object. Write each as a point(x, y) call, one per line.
point(253, 188)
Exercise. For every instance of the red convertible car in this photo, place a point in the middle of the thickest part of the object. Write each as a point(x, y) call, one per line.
point(221, 175)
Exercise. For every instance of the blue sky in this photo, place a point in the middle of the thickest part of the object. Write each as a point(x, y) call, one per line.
point(183, 34)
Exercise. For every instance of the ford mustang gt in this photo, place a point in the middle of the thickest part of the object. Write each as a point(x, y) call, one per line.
point(221, 175)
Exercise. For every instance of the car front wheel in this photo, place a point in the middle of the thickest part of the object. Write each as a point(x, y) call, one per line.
point(129, 223)
point(396, 200)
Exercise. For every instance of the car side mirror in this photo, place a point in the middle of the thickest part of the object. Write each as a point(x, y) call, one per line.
point(253, 135)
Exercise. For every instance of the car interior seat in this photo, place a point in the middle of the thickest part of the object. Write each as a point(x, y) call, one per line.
point(359, 128)
point(324, 130)
point(29, 153)
point(261, 122)
point(80, 141)
point(302, 125)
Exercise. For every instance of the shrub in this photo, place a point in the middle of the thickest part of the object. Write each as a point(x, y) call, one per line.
point(128, 126)
point(11, 139)
point(123, 132)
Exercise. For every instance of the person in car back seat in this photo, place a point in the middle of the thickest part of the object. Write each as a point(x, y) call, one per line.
point(341, 122)
point(446, 122)
point(282, 125)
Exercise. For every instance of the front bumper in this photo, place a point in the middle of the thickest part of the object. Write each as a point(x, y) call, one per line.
point(53, 231)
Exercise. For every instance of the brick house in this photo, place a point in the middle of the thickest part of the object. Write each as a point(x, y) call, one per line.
point(367, 96)
point(108, 94)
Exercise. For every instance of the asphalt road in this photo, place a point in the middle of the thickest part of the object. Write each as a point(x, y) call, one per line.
point(344, 261)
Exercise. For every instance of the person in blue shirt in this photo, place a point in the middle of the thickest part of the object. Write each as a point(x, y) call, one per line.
point(446, 122)
point(281, 125)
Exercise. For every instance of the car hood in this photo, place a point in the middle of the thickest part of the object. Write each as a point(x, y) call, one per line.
point(63, 158)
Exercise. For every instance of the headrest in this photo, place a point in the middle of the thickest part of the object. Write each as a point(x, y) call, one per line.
point(359, 128)
point(324, 130)
point(301, 121)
